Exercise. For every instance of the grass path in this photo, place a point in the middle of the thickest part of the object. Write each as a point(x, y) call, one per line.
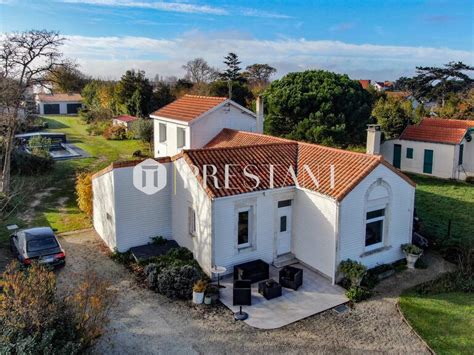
point(445, 321)
point(53, 201)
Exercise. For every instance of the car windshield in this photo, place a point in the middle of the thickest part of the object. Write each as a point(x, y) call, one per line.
point(41, 244)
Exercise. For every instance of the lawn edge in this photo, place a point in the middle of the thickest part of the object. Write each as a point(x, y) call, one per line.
point(402, 316)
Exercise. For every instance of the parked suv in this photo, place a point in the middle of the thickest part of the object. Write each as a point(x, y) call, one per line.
point(37, 244)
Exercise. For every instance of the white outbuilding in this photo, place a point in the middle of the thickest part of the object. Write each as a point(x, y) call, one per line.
point(58, 104)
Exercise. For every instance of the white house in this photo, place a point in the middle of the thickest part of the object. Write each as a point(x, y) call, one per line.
point(58, 104)
point(437, 147)
point(244, 196)
point(191, 121)
point(125, 121)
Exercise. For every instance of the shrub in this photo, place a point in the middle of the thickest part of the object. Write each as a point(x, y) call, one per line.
point(28, 164)
point(115, 133)
point(34, 319)
point(449, 282)
point(357, 294)
point(95, 114)
point(137, 153)
point(97, 128)
point(178, 281)
point(353, 270)
point(84, 192)
point(159, 240)
point(121, 258)
point(180, 253)
point(143, 129)
point(39, 146)
point(200, 286)
point(411, 249)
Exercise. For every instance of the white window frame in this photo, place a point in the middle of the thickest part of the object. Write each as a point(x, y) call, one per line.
point(162, 134)
point(249, 230)
point(178, 129)
point(376, 219)
point(192, 222)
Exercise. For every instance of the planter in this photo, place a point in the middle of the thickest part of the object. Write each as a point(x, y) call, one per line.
point(198, 297)
point(411, 260)
point(208, 300)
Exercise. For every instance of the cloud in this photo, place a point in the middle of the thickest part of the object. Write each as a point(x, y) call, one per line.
point(111, 56)
point(342, 27)
point(263, 14)
point(155, 5)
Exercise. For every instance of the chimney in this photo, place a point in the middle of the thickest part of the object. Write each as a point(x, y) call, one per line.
point(374, 136)
point(259, 110)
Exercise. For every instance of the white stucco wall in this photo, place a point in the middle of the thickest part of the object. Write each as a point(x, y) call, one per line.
point(206, 128)
point(315, 219)
point(104, 208)
point(264, 221)
point(170, 147)
point(398, 221)
point(444, 157)
point(467, 168)
point(139, 216)
point(189, 193)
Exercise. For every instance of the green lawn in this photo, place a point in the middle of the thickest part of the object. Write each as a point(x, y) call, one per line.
point(445, 321)
point(59, 209)
point(437, 201)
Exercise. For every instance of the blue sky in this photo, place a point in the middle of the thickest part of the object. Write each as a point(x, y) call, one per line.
point(366, 39)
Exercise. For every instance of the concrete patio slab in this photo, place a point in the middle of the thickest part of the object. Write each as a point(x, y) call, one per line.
point(317, 294)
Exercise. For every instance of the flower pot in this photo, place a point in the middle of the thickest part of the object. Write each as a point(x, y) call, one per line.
point(411, 260)
point(208, 300)
point(198, 297)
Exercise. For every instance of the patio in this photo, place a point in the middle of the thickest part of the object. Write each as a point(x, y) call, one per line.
point(316, 295)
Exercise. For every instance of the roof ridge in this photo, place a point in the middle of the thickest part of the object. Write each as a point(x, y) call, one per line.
point(240, 146)
point(206, 97)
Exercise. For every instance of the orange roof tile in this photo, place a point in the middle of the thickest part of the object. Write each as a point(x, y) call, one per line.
point(364, 83)
point(189, 107)
point(434, 134)
point(126, 118)
point(59, 97)
point(448, 123)
point(349, 167)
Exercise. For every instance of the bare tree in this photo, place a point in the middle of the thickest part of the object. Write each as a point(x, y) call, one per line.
point(26, 59)
point(198, 71)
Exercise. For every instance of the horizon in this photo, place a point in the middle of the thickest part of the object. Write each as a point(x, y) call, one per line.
point(365, 41)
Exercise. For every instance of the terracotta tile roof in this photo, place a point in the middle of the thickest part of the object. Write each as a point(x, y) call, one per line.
point(434, 134)
point(232, 138)
point(443, 122)
point(189, 107)
point(261, 150)
point(364, 83)
point(59, 97)
point(126, 164)
point(398, 94)
point(126, 118)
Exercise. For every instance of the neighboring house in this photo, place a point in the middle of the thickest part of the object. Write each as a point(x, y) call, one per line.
point(191, 121)
point(365, 84)
point(438, 147)
point(383, 85)
point(404, 95)
point(58, 104)
point(124, 121)
point(317, 204)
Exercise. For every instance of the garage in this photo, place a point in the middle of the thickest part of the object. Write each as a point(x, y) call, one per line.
point(51, 109)
point(72, 109)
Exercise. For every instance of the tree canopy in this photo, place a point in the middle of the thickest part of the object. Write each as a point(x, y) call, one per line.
point(318, 106)
point(133, 94)
point(67, 79)
point(393, 115)
point(198, 71)
point(232, 72)
point(259, 74)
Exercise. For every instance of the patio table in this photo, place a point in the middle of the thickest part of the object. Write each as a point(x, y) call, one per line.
point(218, 270)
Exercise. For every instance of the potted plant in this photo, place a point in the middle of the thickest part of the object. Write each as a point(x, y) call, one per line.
point(353, 270)
point(198, 291)
point(412, 254)
point(212, 294)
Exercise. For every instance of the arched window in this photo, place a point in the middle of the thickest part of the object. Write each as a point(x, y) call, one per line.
point(377, 212)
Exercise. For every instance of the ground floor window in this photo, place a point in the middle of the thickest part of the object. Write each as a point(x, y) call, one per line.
point(243, 228)
point(374, 228)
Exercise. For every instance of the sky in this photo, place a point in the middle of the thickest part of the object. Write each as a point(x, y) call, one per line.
point(366, 39)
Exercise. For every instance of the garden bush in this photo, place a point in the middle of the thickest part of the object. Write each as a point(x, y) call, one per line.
point(357, 293)
point(35, 319)
point(353, 270)
point(28, 164)
point(84, 192)
point(115, 133)
point(177, 281)
point(97, 128)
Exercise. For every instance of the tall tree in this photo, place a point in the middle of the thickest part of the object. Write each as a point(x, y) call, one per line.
point(435, 83)
point(318, 106)
point(26, 60)
point(232, 71)
point(198, 71)
point(133, 94)
point(259, 74)
point(67, 79)
point(393, 115)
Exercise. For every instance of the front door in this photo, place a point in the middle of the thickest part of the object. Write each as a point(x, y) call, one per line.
point(397, 155)
point(284, 227)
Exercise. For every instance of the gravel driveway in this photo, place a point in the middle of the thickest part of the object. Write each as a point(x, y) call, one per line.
point(143, 322)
